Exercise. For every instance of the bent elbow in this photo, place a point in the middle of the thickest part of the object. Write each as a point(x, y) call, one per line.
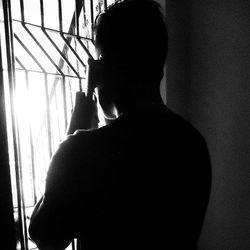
point(45, 237)
point(36, 234)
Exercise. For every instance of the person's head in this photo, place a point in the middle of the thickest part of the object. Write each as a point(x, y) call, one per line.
point(131, 39)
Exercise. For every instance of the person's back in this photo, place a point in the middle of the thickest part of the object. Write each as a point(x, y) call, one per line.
point(142, 181)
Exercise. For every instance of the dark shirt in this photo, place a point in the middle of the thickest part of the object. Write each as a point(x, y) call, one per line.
point(141, 182)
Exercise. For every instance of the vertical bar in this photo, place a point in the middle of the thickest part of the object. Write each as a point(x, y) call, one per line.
point(64, 103)
point(78, 68)
point(105, 4)
point(75, 22)
point(48, 114)
point(31, 145)
point(24, 229)
point(86, 48)
point(55, 94)
point(42, 12)
point(92, 17)
point(100, 7)
point(71, 96)
point(84, 12)
point(77, 14)
point(60, 15)
point(7, 237)
point(22, 11)
point(11, 76)
point(30, 134)
point(80, 85)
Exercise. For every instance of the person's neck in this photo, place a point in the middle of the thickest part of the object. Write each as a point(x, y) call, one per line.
point(140, 103)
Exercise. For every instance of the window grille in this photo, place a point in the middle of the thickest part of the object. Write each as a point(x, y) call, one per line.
point(45, 46)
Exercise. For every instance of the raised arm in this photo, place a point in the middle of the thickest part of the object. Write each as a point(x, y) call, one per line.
point(53, 222)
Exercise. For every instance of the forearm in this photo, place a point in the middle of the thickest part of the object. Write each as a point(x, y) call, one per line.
point(84, 115)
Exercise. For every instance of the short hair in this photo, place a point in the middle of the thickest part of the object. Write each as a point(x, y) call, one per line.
point(134, 34)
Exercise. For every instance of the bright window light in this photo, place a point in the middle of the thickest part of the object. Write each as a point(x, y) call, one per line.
point(52, 41)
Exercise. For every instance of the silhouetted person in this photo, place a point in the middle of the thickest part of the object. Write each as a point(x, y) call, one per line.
point(142, 181)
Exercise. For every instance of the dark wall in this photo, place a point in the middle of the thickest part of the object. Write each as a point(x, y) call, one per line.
point(208, 82)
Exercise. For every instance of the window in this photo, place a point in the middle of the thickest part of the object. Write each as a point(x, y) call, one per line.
point(45, 46)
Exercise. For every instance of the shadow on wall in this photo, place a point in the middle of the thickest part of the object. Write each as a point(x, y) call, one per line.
point(208, 84)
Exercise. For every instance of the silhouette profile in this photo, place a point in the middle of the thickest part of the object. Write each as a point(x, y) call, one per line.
point(143, 180)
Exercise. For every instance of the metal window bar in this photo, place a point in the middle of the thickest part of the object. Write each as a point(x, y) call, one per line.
point(30, 136)
point(55, 65)
point(62, 72)
point(46, 90)
point(11, 78)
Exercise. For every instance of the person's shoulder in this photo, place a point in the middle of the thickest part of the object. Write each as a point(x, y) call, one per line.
point(80, 138)
point(71, 148)
point(181, 127)
point(73, 152)
point(190, 140)
point(174, 119)
point(87, 141)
